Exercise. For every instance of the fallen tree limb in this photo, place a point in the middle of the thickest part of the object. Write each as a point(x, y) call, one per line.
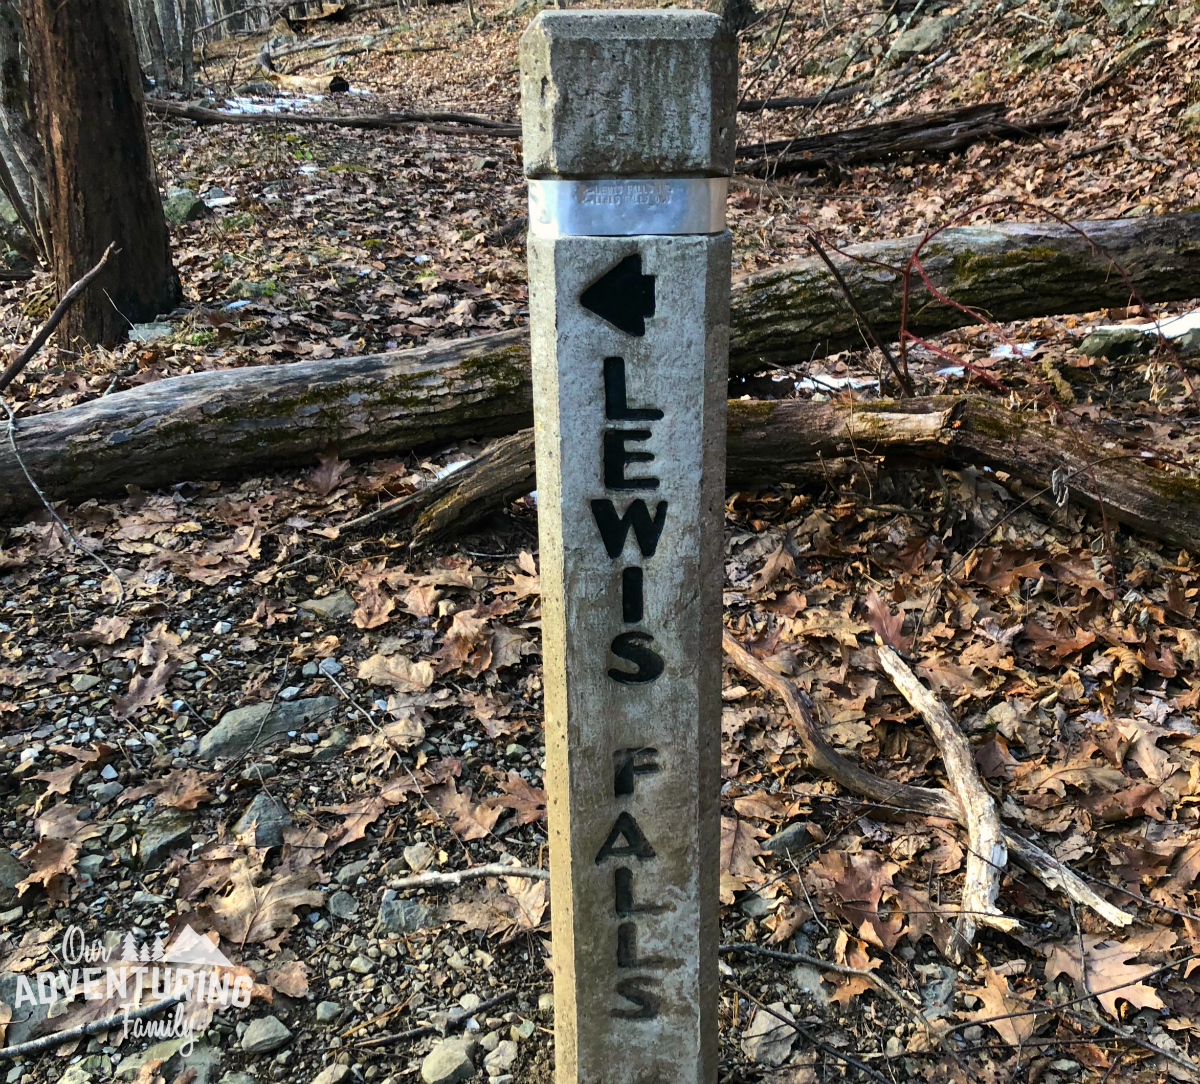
point(927, 133)
point(821, 757)
point(800, 442)
point(456, 878)
point(986, 853)
point(227, 423)
point(49, 1042)
point(445, 123)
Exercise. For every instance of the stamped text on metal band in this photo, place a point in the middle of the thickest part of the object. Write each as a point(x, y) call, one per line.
point(627, 207)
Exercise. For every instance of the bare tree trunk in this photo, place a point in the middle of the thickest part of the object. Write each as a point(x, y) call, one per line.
point(187, 20)
point(87, 95)
point(169, 26)
point(146, 18)
point(22, 167)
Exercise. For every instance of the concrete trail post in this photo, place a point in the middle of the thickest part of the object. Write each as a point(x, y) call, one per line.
point(628, 140)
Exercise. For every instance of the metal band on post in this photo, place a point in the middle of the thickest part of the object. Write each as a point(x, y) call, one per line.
point(627, 206)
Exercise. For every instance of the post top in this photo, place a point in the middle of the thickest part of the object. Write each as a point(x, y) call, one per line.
point(628, 93)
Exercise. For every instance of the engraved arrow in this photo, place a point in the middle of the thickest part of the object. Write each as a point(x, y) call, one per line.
point(623, 296)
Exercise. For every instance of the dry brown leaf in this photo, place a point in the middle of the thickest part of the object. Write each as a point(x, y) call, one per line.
point(374, 608)
point(999, 1000)
point(1107, 967)
point(397, 671)
point(468, 820)
point(290, 979)
point(778, 563)
point(886, 625)
point(259, 905)
point(60, 780)
point(327, 475)
point(527, 802)
point(106, 631)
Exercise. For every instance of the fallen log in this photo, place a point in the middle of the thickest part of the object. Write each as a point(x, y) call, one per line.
point(445, 123)
point(227, 423)
point(790, 440)
point(925, 133)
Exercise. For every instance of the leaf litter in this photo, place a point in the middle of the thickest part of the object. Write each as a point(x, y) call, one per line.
point(1068, 652)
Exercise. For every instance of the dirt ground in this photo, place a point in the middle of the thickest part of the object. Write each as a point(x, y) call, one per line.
point(218, 713)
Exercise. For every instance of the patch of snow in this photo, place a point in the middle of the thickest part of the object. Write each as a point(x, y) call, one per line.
point(1014, 350)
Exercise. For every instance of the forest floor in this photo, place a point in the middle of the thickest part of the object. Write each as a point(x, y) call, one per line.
point(380, 712)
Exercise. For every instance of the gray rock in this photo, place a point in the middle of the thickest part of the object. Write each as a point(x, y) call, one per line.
point(330, 666)
point(244, 729)
point(546, 1002)
point(360, 965)
point(105, 792)
point(528, 7)
point(1189, 119)
point(204, 1059)
point(523, 1030)
point(923, 38)
point(183, 207)
point(403, 916)
point(75, 1074)
point(332, 1074)
point(793, 838)
point(768, 1040)
point(271, 816)
point(237, 1078)
point(25, 1022)
point(351, 871)
point(90, 864)
point(250, 290)
point(328, 1012)
point(1189, 342)
point(343, 905)
point(449, 1062)
point(80, 683)
point(264, 1035)
point(333, 746)
point(12, 873)
point(7, 918)
point(166, 831)
point(418, 856)
point(332, 607)
point(501, 1059)
point(1117, 342)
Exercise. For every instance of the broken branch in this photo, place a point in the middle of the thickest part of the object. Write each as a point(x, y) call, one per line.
point(987, 854)
point(452, 880)
point(821, 757)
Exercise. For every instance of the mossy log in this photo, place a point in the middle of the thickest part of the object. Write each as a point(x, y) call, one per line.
point(233, 422)
point(801, 442)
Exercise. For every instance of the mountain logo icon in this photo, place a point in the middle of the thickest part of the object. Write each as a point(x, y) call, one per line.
point(193, 948)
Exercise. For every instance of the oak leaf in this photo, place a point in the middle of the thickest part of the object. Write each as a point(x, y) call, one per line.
point(886, 625)
point(468, 820)
point(260, 905)
point(1109, 976)
point(527, 802)
point(374, 608)
point(999, 1001)
point(398, 671)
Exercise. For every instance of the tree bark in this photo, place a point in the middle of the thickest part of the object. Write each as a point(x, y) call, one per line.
point(222, 424)
point(213, 425)
point(187, 21)
point(148, 32)
point(23, 166)
point(790, 440)
point(87, 94)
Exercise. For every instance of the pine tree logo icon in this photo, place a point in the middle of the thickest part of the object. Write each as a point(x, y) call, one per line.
point(193, 949)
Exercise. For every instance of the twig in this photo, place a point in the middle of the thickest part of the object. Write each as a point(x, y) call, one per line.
point(902, 378)
point(47, 329)
point(875, 980)
point(450, 880)
point(987, 855)
point(809, 1037)
point(453, 1023)
point(49, 1042)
